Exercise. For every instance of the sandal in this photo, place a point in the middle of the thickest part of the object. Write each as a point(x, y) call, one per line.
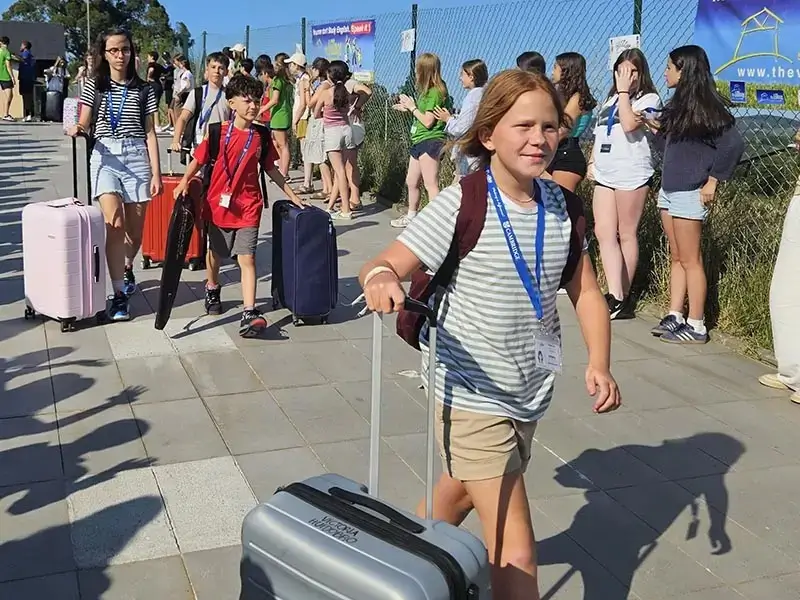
point(303, 189)
point(320, 196)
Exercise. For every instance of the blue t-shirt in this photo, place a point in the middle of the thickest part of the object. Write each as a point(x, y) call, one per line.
point(27, 66)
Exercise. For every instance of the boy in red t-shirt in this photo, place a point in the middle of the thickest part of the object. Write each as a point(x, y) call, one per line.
point(234, 199)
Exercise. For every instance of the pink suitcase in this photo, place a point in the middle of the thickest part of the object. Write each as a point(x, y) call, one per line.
point(64, 258)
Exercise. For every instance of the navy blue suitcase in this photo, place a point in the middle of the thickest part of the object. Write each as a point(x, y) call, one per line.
point(305, 262)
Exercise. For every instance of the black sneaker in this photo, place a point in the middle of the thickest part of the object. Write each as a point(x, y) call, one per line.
point(129, 281)
point(213, 302)
point(619, 309)
point(118, 308)
point(252, 324)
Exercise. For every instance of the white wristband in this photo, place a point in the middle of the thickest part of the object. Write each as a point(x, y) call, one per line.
point(377, 271)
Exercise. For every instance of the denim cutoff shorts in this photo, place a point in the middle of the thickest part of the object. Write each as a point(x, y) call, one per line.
point(125, 173)
point(683, 205)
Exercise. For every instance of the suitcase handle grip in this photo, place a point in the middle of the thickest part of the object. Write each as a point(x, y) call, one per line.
point(421, 308)
point(97, 264)
point(395, 517)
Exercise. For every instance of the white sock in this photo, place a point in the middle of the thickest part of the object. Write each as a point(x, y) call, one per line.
point(118, 285)
point(678, 316)
point(411, 214)
point(698, 325)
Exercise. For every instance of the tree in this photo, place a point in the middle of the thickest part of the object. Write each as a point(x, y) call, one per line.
point(147, 20)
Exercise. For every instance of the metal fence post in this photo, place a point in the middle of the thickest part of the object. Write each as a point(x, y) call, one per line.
point(637, 17)
point(203, 58)
point(247, 40)
point(413, 71)
point(303, 34)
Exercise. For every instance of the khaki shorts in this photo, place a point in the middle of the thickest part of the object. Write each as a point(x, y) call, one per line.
point(476, 446)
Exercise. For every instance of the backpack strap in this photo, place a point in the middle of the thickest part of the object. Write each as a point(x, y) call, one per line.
point(266, 142)
point(144, 93)
point(469, 225)
point(214, 135)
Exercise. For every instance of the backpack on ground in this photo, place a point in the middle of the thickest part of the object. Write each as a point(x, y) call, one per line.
point(469, 225)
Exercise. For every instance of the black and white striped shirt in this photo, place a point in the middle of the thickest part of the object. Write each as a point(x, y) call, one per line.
point(130, 124)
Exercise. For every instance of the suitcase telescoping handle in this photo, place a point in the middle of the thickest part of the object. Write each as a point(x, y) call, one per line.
point(75, 170)
point(169, 162)
point(375, 402)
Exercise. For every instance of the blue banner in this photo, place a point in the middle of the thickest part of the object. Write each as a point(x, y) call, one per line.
point(350, 41)
point(756, 41)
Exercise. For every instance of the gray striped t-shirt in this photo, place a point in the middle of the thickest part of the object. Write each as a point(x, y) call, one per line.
point(485, 358)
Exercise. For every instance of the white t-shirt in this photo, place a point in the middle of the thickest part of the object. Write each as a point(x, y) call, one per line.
point(622, 160)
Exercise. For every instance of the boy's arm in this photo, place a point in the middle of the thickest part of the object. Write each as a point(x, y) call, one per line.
point(278, 179)
point(191, 171)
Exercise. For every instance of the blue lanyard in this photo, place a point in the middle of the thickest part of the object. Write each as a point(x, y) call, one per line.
point(534, 292)
point(112, 117)
point(225, 162)
point(611, 115)
point(205, 116)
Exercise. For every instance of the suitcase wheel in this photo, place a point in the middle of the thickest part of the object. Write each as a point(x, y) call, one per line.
point(145, 262)
point(67, 325)
point(29, 313)
point(324, 321)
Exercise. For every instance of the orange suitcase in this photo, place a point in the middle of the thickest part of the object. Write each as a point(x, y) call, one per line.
point(156, 223)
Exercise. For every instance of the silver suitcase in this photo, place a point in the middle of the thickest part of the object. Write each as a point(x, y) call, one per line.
point(327, 537)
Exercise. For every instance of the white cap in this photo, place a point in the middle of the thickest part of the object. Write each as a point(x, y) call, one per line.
point(238, 48)
point(298, 58)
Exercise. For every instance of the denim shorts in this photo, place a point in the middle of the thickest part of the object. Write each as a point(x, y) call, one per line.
point(683, 205)
point(121, 167)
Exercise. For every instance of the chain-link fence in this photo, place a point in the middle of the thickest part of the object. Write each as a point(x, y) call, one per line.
point(743, 231)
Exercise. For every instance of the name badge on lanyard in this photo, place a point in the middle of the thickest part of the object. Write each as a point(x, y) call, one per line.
point(606, 148)
point(225, 197)
point(114, 118)
point(547, 347)
point(205, 115)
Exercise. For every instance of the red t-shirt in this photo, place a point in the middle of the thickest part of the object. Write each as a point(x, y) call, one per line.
point(265, 116)
point(246, 200)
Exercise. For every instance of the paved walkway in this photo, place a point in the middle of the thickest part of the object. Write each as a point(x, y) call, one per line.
point(128, 456)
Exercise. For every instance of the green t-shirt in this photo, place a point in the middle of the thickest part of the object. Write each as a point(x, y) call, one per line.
point(5, 55)
point(427, 102)
point(281, 114)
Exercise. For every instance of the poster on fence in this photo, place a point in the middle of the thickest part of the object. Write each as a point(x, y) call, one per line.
point(755, 41)
point(350, 41)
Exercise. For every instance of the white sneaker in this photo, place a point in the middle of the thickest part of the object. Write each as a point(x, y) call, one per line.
point(340, 216)
point(401, 222)
point(28, 119)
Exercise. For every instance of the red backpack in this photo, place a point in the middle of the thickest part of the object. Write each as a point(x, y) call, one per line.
point(469, 225)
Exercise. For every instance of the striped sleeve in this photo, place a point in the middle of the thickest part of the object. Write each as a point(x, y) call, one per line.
point(430, 233)
point(87, 94)
point(151, 106)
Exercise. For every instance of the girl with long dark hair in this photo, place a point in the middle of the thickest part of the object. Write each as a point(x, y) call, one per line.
point(701, 147)
point(569, 74)
point(623, 171)
point(125, 171)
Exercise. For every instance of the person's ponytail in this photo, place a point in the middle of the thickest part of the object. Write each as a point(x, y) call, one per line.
point(341, 98)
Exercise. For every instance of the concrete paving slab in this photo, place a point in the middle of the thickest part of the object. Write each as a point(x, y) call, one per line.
point(206, 501)
point(102, 444)
point(785, 587)
point(400, 413)
point(320, 414)
point(188, 336)
point(252, 423)
point(29, 450)
point(179, 431)
point(338, 361)
point(166, 375)
point(145, 580)
point(118, 521)
point(220, 373)
point(80, 387)
point(63, 586)
point(35, 531)
point(267, 471)
point(137, 339)
point(214, 574)
point(282, 366)
point(25, 391)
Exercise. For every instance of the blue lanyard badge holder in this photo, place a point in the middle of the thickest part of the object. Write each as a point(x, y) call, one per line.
point(547, 346)
point(114, 119)
point(225, 197)
point(204, 115)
